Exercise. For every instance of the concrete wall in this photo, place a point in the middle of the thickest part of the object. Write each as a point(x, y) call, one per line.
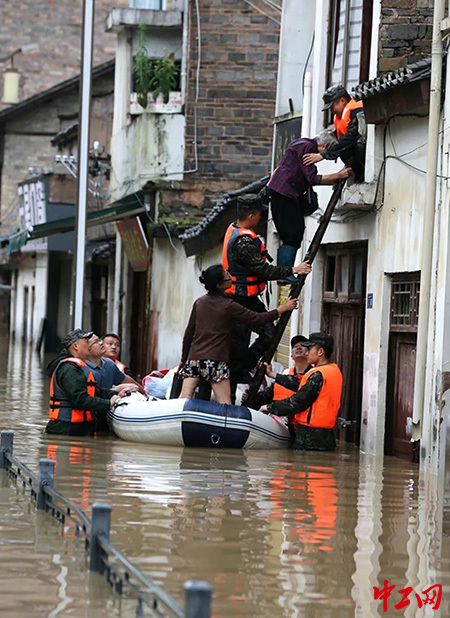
point(295, 46)
point(143, 147)
point(175, 286)
point(32, 274)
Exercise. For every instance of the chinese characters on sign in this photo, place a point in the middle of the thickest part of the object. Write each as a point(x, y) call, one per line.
point(33, 211)
point(431, 596)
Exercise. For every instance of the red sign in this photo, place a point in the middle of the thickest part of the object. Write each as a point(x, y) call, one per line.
point(135, 243)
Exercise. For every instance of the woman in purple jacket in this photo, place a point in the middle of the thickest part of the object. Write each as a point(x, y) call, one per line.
point(287, 189)
point(206, 342)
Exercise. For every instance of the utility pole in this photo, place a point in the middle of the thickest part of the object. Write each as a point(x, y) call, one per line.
point(83, 161)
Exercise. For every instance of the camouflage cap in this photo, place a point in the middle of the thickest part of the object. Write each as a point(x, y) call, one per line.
point(332, 94)
point(73, 336)
point(250, 202)
point(323, 340)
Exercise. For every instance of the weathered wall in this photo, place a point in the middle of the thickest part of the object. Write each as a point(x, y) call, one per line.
point(55, 26)
point(394, 237)
point(32, 273)
point(405, 32)
point(237, 87)
point(145, 147)
point(175, 286)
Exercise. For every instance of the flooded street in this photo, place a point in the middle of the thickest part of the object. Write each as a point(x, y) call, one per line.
point(276, 533)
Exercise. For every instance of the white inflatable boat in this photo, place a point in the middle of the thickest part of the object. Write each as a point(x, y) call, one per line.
point(193, 422)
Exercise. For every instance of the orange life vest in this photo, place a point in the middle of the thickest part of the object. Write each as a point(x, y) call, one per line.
point(60, 408)
point(244, 283)
point(281, 392)
point(120, 365)
point(341, 124)
point(323, 412)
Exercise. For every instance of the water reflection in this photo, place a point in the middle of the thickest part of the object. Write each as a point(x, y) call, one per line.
point(276, 533)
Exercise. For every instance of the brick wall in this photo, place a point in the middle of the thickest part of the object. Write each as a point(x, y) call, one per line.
point(405, 32)
point(237, 90)
point(54, 25)
point(27, 137)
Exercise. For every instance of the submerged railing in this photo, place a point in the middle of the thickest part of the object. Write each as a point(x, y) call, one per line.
point(104, 558)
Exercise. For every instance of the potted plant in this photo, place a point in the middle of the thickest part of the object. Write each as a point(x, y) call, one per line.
point(155, 81)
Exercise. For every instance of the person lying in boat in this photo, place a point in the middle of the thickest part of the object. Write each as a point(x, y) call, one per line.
point(313, 409)
point(206, 342)
point(77, 404)
point(286, 383)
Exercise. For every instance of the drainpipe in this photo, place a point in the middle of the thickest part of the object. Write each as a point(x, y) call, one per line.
point(424, 332)
point(307, 100)
point(184, 51)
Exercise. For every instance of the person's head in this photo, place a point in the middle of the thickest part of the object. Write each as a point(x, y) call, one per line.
point(111, 343)
point(320, 347)
point(335, 98)
point(96, 348)
point(216, 279)
point(250, 210)
point(324, 139)
point(298, 350)
point(76, 343)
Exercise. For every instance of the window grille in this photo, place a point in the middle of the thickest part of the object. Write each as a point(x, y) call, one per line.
point(405, 304)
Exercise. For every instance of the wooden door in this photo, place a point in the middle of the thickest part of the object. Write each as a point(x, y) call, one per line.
point(405, 363)
point(344, 289)
point(138, 331)
point(343, 323)
point(401, 366)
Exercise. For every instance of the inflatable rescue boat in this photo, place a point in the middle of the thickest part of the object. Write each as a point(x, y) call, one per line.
point(193, 422)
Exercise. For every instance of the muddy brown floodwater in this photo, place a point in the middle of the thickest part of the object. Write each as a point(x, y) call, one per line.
point(276, 533)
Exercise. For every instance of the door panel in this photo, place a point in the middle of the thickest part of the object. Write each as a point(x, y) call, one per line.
point(404, 349)
point(343, 322)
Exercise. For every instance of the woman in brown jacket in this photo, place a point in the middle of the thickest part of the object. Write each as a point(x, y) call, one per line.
point(206, 342)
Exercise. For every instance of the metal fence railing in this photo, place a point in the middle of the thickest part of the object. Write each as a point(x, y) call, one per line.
point(104, 558)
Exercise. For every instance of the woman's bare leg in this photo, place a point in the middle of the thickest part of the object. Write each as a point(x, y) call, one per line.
point(222, 391)
point(188, 388)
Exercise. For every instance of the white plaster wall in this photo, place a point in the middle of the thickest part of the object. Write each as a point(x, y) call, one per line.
point(435, 442)
point(393, 233)
point(143, 147)
point(65, 286)
point(33, 271)
point(295, 43)
point(175, 286)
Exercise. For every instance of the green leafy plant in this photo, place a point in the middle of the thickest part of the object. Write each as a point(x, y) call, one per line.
point(158, 76)
point(143, 69)
point(164, 77)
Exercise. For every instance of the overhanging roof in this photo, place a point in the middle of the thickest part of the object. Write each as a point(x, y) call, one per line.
point(128, 206)
point(406, 75)
point(400, 92)
point(210, 230)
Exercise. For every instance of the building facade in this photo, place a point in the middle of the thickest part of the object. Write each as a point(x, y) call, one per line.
point(365, 287)
point(212, 137)
point(38, 210)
